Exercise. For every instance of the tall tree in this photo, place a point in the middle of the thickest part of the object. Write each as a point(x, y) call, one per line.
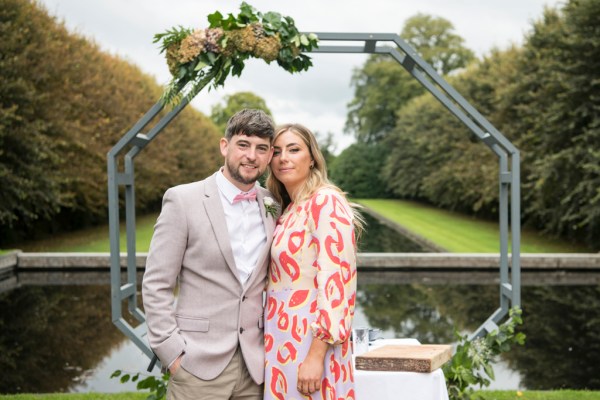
point(557, 110)
point(357, 170)
point(27, 147)
point(382, 86)
point(436, 42)
point(63, 104)
point(233, 103)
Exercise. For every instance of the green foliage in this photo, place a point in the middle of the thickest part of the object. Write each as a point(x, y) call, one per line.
point(436, 42)
point(327, 145)
point(557, 121)
point(28, 147)
point(156, 386)
point(541, 96)
point(199, 58)
point(63, 105)
point(471, 364)
point(382, 86)
point(357, 170)
point(221, 113)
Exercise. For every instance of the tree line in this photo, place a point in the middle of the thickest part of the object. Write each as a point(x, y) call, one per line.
point(64, 103)
point(543, 95)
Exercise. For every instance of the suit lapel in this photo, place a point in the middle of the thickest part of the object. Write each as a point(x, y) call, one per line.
point(214, 210)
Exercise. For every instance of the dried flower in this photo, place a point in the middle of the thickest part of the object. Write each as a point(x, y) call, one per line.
point(192, 46)
point(243, 39)
point(173, 58)
point(268, 48)
point(197, 58)
point(213, 39)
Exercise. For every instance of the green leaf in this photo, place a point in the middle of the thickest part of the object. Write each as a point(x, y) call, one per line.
point(215, 19)
point(247, 13)
point(116, 373)
point(230, 23)
point(272, 20)
point(125, 378)
point(201, 64)
point(211, 57)
point(489, 370)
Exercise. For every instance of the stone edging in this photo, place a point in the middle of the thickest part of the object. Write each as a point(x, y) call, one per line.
point(381, 261)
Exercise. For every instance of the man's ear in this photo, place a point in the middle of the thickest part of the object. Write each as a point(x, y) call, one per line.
point(223, 144)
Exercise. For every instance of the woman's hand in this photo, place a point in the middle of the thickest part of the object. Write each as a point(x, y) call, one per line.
point(310, 371)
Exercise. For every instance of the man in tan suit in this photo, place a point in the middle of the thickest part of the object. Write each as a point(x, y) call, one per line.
point(213, 237)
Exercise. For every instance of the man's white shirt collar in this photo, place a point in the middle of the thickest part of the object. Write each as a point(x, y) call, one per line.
point(228, 189)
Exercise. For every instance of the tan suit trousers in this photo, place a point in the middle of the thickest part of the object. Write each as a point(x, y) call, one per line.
point(234, 383)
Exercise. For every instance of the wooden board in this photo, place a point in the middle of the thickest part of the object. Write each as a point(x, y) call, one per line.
point(396, 357)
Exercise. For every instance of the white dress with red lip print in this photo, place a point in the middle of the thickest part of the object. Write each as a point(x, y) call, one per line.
point(311, 293)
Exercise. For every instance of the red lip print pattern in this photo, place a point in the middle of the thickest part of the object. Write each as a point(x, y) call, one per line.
point(278, 385)
point(311, 295)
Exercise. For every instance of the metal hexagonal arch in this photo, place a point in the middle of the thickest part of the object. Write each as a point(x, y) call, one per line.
point(134, 141)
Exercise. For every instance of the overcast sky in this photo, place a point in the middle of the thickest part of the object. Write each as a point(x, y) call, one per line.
point(316, 98)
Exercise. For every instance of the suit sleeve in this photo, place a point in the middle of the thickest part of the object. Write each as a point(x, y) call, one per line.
point(330, 220)
point(163, 265)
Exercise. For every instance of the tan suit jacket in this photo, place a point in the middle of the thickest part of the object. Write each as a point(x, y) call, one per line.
point(214, 311)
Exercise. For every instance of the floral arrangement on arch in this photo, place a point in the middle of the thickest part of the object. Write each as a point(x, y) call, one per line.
point(197, 57)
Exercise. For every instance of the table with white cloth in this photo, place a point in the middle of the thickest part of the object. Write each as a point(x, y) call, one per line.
point(392, 385)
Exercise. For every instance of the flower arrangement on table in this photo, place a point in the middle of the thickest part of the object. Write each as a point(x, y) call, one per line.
point(197, 57)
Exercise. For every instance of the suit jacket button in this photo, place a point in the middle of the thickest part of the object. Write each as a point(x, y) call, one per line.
point(244, 298)
point(241, 330)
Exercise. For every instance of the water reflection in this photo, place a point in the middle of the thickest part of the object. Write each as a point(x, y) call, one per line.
point(379, 238)
point(56, 334)
point(563, 344)
point(59, 338)
point(52, 336)
point(562, 324)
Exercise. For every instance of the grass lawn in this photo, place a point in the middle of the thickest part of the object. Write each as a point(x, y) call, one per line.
point(94, 240)
point(488, 395)
point(460, 233)
point(541, 395)
point(455, 232)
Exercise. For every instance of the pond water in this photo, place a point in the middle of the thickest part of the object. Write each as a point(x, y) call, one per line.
point(56, 334)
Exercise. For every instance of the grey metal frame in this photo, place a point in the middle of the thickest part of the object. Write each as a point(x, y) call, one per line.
point(134, 141)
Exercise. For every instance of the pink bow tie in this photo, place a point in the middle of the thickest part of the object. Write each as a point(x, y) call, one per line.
point(250, 196)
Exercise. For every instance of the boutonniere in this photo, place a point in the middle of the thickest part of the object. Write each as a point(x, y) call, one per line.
point(270, 207)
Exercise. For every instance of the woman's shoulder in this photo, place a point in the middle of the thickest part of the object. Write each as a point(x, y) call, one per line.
point(324, 196)
point(327, 192)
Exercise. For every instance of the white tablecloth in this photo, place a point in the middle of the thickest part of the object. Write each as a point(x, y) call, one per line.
point(391, 385)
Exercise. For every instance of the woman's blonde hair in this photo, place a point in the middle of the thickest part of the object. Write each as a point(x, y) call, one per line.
point(317, 178)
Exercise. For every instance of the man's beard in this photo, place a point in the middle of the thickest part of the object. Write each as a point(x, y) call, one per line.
point(235, 174)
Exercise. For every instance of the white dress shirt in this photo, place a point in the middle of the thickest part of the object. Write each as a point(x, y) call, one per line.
point(245, 226)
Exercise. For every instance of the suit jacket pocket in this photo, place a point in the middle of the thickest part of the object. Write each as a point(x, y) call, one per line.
point(191, 324)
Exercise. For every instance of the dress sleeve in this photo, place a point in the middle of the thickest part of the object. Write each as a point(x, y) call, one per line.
point(332, 235)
